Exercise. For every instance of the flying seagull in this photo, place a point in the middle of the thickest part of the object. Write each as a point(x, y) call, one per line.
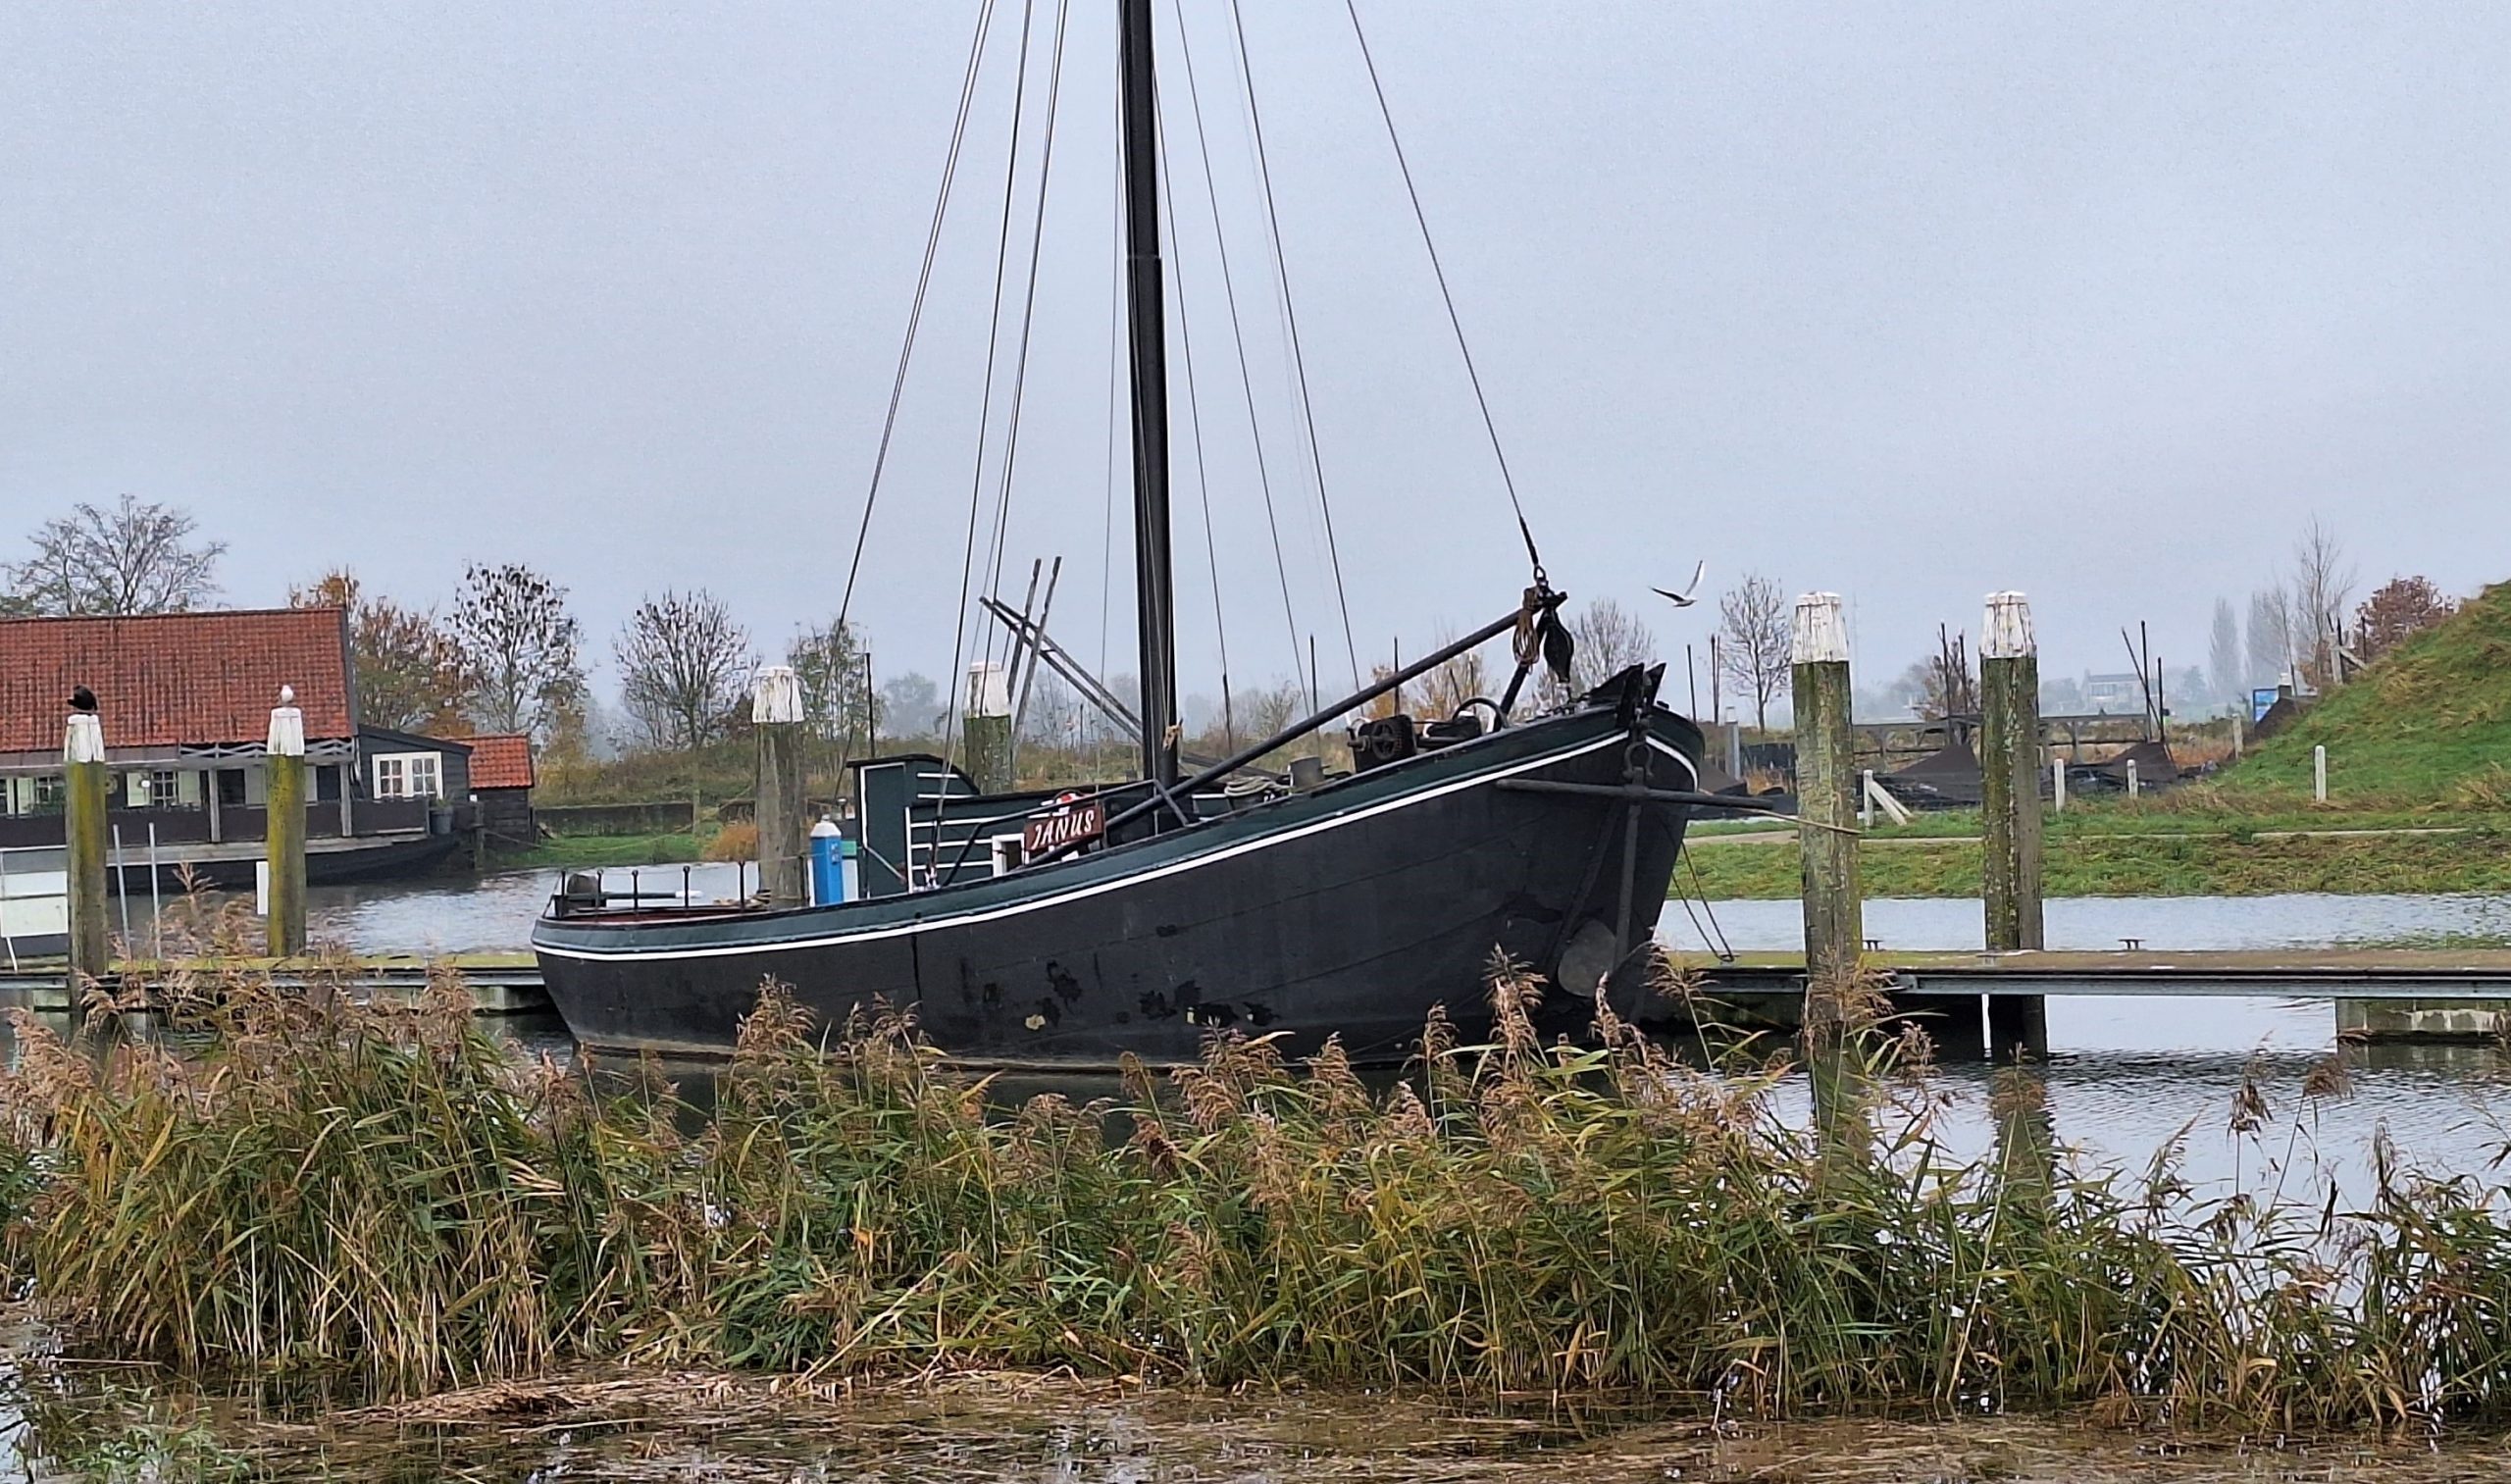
point(83, 699)
point(1684, 599)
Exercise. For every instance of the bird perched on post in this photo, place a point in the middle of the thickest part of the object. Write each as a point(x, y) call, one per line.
point(83, 701)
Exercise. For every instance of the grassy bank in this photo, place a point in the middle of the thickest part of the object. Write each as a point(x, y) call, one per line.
point(381, 1195)
point(587, 852)
point(2144, 863)
point(2429, 727)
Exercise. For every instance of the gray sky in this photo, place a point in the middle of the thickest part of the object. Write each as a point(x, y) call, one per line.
point(1913, 302)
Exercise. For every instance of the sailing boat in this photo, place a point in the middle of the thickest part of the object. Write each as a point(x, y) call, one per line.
point(1143, 917)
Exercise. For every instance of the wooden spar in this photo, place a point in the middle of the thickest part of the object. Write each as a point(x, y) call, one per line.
point(1024, 658)
point(1247, 755)
point(1155, 596)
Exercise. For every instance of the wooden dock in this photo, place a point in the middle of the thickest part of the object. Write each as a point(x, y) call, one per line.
point(2401, 993)
point(502, 984)
point(2278, 973)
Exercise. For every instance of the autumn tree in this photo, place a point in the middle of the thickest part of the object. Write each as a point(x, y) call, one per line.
point(1755, 625)
point(521, 646)
point(683, 663)
point(2396, 610)
point(836, 698)
point(130, 558)
point(410, 673)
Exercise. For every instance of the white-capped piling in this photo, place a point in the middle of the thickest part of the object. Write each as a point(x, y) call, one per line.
point(2010, 800)
point(776, 721)
point(986, 732)
point(284, 833)
point(1826, 788)
point(1827, 835)
point(82, 762)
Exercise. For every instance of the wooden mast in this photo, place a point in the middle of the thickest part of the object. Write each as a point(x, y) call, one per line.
point(1153, 589)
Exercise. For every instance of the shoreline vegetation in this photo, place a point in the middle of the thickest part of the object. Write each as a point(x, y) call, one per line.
point(382, 1198)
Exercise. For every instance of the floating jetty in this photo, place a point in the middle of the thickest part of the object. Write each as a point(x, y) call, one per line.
point(2379, 993)
point(502, 984)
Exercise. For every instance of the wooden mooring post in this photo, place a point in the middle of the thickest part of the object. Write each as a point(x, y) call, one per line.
point(2010, 777)
point(1827, 781)
point(83, 762)
point(284, 836)
point(986, 732)
point(776, 717)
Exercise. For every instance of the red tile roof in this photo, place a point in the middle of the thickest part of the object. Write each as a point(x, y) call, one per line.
point(174, 679)
point(500, 762)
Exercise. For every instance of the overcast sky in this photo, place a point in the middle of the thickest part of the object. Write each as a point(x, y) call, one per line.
point(1911, 302)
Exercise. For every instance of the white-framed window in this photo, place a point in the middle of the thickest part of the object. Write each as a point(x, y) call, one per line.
point(408, 775)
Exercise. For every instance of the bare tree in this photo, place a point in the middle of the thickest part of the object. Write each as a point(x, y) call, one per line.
point(2224, 661)
point(133, 558)
point(1950, 684)
point(2321, 586)
point(410, 672)
point(2269, 641)
point(681, 666)
point(1755, 623)
point(1610, 639)
point(521, 647)
point(1445, 689)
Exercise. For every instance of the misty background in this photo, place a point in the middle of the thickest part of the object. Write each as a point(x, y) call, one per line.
point(2106, 303)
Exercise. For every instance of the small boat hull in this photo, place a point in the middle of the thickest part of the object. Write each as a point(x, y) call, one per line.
point(1349, 911)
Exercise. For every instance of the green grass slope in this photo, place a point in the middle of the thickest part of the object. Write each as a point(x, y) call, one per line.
point(2428, 728)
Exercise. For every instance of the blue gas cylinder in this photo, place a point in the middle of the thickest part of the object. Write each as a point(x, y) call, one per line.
point(830, 852)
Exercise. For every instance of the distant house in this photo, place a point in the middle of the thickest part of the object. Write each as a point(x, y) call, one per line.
point(185, 701)
point(501, 786)
point(2116, 693)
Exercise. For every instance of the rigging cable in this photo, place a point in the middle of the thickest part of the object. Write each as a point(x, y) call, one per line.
point(915, 311)
point(1195, 423)
point(1028, 324)
point(959, 629)
point(1440, 271)
point(1238, 333)
point(1299, 361)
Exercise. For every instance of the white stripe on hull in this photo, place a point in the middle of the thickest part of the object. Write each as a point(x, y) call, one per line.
point(1113, 884)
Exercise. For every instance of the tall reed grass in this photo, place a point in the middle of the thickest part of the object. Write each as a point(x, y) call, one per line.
point(385, 1193)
